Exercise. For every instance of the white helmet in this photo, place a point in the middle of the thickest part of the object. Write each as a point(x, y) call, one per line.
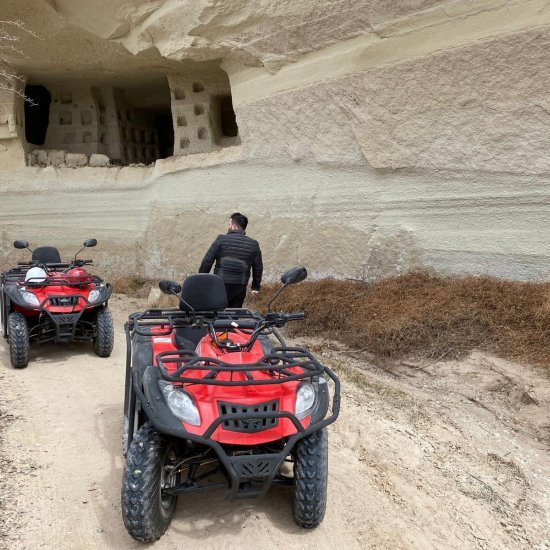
point(36, 275)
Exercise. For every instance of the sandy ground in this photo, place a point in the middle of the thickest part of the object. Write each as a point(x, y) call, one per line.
point(441, 455)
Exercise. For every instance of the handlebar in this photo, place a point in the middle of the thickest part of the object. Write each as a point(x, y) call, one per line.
point(257, 325)
point(270, 320)
point(280, 319)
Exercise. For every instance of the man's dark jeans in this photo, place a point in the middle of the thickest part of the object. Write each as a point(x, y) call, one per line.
point(235, 295)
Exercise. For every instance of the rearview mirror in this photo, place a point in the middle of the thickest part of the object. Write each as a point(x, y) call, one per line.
point(90, 242)
point(21, 244)
point(294, 275)
point(170, 287)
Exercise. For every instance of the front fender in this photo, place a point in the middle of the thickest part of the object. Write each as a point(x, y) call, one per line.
point(153, 403)
point(12, 291)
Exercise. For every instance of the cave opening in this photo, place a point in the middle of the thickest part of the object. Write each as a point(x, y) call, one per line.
point(37, 113)
point(228, 119)
point(133, 118)
point(128, 120)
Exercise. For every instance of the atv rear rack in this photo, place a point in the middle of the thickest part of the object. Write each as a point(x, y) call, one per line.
point(167, 319)
point(277, 364)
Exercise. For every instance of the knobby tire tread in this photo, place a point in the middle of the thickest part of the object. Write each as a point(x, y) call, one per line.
point(310, 479)
point(140, 486)
point(105, 336)
point(18, 334)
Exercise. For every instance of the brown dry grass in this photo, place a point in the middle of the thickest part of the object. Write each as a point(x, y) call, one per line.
point(422, 315)
point(138, 287)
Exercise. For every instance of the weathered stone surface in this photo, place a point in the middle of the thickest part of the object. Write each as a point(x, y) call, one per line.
point(376, 136)
point(483, 107)
point(75, 160)
point(56, 158)
point(154, 297)
point(99, 160)
point(42, 158)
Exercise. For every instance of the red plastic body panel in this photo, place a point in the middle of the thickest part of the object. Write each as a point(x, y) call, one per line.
point(207, 397)
point(44, 292)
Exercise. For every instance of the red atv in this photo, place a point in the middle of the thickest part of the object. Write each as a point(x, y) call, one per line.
point(46, 300)
point(212, 402)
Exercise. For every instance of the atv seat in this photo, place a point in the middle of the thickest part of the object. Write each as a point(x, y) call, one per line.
point(46, 255)
point(203, 292)
point(187, 338)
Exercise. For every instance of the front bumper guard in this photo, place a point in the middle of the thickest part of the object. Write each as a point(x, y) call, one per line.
point(243, 471)
point(64, 324)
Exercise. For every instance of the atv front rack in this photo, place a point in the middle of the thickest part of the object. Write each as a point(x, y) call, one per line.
point(277, 364)
point(17, 276)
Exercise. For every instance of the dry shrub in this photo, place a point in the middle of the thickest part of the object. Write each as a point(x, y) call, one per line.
point(138, 287)
point(422, 315)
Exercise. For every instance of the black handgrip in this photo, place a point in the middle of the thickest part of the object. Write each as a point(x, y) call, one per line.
point(24, 263)
point(81, 263)
point(297, 316)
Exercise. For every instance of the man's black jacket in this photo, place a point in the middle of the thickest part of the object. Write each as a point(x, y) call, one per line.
point(235, 255)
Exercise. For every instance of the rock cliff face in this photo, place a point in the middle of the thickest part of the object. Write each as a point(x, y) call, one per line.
point(362, 138)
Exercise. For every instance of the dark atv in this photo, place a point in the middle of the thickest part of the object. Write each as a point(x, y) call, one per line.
point(47, 300)
point(216, 399)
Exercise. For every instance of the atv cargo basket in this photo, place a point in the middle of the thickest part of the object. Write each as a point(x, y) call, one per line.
point(18, 277)
point(277, 364)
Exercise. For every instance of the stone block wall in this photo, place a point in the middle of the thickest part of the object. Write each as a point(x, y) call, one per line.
point(76, 123)
point(12, 116)
point(60, 158)
point(138, 140)
point(196, 112)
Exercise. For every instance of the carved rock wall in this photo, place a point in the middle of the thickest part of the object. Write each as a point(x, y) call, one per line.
point(373, 137)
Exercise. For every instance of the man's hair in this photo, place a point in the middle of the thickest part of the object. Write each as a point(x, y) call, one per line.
point(239, 219)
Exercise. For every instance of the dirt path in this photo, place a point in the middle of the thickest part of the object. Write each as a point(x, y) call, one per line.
point(417, 460)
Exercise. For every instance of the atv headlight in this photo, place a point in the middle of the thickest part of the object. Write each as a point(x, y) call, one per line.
point(305, 400)
point(95, 295)
point(180, 403)
point(30, 298)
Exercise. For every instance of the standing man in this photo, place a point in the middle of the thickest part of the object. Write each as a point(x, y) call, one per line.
point(235, 255)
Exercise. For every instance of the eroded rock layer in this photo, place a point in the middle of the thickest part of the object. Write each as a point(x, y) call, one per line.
point(362, 138)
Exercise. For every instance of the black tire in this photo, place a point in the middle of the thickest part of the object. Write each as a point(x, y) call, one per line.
point(147, 513)
point(310, 479)
point(18, 335)
point(105, 333)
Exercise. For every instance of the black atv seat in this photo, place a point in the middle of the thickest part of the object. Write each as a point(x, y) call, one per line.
point(46, 255)
point(187, 338)
point(204, 292)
